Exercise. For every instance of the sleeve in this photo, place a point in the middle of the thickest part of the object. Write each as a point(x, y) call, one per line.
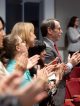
point(73, 35)
point(3, 70)
point(69, 68)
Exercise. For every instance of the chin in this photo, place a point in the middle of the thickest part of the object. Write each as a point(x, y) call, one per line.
point(1, 45)
point(56, 39)
point(59, 38)
point(32, 45)
point(43, 58)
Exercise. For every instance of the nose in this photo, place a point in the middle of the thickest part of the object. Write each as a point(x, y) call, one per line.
point(44, 52)
point(34, 36)
point(3, 32)
point(61, 31)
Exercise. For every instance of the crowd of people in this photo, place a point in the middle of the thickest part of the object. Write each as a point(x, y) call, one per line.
point(31, 71)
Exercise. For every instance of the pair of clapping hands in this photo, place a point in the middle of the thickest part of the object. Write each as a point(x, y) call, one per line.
point(32, 93)
point(57, 69)
point(36, 90)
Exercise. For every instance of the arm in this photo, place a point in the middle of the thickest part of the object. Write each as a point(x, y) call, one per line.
point(72, 61)
point(73, 35)
point(50, 55)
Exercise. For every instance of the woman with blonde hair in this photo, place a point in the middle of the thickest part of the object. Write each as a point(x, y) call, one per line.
point(25, 31)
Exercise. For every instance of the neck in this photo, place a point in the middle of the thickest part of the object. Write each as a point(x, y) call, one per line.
point(17, 56)
point(50, 37)
point(75, 26)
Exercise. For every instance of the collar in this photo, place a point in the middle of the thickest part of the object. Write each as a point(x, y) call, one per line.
point(52, 43)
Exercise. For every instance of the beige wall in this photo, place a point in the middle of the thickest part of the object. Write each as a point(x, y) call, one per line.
point(64, 9)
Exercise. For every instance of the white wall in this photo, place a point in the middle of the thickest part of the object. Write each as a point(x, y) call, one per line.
point(48, 9)
point(2, 9)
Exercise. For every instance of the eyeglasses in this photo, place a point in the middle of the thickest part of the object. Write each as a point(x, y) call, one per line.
point(59, 29)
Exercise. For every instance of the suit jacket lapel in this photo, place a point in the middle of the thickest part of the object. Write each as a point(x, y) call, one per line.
point(49, 44)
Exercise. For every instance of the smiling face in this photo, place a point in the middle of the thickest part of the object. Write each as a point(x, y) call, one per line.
point(56, 32)
point(42, 55)
point(76, 24)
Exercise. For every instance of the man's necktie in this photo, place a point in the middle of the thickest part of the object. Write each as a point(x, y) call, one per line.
point(56, 48)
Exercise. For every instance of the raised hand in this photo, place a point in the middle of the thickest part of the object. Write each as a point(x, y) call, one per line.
point(51, 68)
point(55, 61)
point(59, 70)
point(10, 84)
point(32, 61)
point(21, 63)
point(74, 59)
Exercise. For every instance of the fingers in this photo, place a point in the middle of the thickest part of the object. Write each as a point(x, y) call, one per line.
point(76, 53)
point(51, 68)
point(22, 60)
point(75, 59)
point(50, 74)
point(69, 57)
point(32, 61)
point(9, 79)
point(38, 67)
point(34, 76)
point(37, 57)
point(9, 83)
point(16, 83)
point(55, 61)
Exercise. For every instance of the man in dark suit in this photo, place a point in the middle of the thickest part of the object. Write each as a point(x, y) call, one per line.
point(51, 31)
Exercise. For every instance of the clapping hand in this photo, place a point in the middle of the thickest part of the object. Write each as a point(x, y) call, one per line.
point(32, 61)
point(74, 59)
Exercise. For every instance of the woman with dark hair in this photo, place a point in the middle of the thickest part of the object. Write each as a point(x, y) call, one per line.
point(73, 35)
point(39, 49)
point(72, 22)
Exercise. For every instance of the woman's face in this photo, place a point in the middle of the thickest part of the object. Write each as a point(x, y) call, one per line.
point(32, 39)
point(77, 22)
point(42, 55)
